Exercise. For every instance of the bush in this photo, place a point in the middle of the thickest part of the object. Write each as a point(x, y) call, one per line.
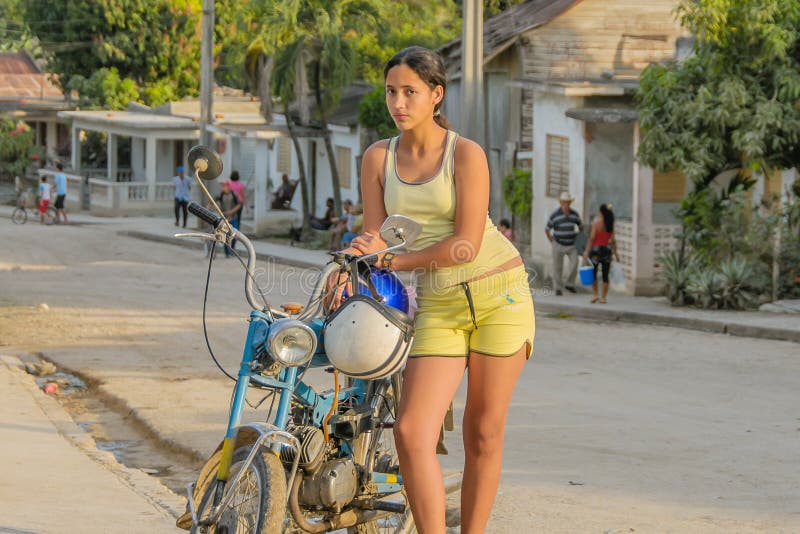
point(518, 192)
point(705, 288)
point(736, 277)
point(677, 271)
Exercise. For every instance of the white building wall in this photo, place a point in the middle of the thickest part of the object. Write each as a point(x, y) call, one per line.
point(137, 159)
point(165, 151)
point(349, 140)
point(550, 119)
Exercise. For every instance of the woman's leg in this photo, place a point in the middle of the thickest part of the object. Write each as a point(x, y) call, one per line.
point(429, 384)
point(606, 271)
point(491, 382)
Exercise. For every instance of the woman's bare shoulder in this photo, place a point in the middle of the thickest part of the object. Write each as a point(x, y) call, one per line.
point(376, 151)
point(467, 150)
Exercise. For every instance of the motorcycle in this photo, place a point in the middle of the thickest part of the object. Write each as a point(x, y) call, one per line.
point(325, 460)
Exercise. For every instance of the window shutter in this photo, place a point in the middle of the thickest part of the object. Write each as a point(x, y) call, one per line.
point(557, 165)
point(285, 155)
point(668, 186)
point(343, 157)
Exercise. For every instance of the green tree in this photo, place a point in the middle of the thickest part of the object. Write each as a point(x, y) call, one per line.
point(306, 47)
point(155, 43)
point(373, 114)
point(733, 103)
point(14, 33)
point(275, 31)
point(413, 22)
point(16, 147)
point(104, 90)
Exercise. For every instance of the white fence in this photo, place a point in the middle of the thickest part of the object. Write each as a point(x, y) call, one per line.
point(123, 174)
point(130, 198)
point(664, 241)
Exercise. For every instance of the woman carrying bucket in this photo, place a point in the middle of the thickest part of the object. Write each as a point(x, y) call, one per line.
point(599, 247)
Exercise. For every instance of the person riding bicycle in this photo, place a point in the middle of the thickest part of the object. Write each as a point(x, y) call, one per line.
point(474, 305)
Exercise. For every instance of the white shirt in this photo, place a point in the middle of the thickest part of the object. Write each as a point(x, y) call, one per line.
point(44, 191)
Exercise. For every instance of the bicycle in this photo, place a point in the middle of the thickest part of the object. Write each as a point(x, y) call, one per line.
point(20, 213)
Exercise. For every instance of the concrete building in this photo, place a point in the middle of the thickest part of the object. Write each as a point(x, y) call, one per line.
point(560, 77)
point(29, 94)
point(143, 147)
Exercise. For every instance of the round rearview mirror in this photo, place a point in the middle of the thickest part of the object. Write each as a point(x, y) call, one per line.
point(397, 229)
point(205, 161)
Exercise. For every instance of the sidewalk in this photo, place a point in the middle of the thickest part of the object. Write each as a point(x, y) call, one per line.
point(58, 481)
point(658, 311)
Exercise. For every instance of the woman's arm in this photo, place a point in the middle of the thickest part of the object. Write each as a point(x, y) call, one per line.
point(472, 205)
point(613, 240)
point(590, 241)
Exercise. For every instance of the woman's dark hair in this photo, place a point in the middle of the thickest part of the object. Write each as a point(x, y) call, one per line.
point(608, 217)
point(505, 222)
point(235, 176)
point(430, 67)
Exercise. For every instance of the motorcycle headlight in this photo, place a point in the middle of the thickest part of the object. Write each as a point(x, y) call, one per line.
point(291, 342)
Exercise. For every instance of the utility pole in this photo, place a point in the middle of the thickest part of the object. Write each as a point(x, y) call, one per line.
point(471, 121)
point(207, 72)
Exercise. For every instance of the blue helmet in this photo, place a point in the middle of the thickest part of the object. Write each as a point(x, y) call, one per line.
point(389, 286)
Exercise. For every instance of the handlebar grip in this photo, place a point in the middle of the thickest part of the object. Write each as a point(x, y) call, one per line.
point(205, 214)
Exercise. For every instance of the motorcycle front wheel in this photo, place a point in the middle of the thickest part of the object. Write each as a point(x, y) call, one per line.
point(258, 503)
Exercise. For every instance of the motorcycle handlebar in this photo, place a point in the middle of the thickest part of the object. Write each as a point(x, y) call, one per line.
point(204, 213)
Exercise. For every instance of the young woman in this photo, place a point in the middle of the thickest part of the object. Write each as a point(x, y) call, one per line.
point(599, 247)
point(474, 306)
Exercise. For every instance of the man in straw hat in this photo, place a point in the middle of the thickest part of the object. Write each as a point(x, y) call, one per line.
point(562, 229)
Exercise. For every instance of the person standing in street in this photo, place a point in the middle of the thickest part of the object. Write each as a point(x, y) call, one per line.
point(183, 189)
point(231, 206)
point(562, 229)
point(238, 188)
point(44, 197)
point(60, 180)
point(600, 247)
point(474, 306)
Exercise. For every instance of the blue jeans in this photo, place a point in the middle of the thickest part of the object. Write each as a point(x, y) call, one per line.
point(229, 250)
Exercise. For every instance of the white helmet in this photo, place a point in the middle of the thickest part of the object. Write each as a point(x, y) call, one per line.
point(366, 339)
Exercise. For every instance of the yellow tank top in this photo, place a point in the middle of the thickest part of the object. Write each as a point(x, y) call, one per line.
point(432, 203)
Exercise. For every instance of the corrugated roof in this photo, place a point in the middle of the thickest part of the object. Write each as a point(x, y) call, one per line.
point(508, 24)
point(17, 63)
point(21, 79)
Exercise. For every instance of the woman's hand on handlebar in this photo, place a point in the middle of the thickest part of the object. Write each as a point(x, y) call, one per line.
point(369, 243)
point(337, 283)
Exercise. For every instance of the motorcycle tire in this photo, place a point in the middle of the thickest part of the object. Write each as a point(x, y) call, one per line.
point(259, 503)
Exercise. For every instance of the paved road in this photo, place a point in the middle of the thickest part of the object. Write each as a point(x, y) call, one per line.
point(613, 427)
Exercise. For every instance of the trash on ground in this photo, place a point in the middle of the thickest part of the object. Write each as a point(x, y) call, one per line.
point(64, 382)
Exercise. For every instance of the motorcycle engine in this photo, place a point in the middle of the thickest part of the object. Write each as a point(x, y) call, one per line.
point(331, 487)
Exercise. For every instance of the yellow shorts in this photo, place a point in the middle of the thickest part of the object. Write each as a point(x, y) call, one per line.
point(503, 318)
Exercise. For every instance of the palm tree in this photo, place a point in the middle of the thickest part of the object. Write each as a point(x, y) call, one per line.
point(323, 29)
point(281, 77)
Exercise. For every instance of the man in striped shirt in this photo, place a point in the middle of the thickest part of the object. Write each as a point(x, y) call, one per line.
point(562, 229)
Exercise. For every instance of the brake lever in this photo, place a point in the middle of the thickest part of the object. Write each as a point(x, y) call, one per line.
point(210, 237)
